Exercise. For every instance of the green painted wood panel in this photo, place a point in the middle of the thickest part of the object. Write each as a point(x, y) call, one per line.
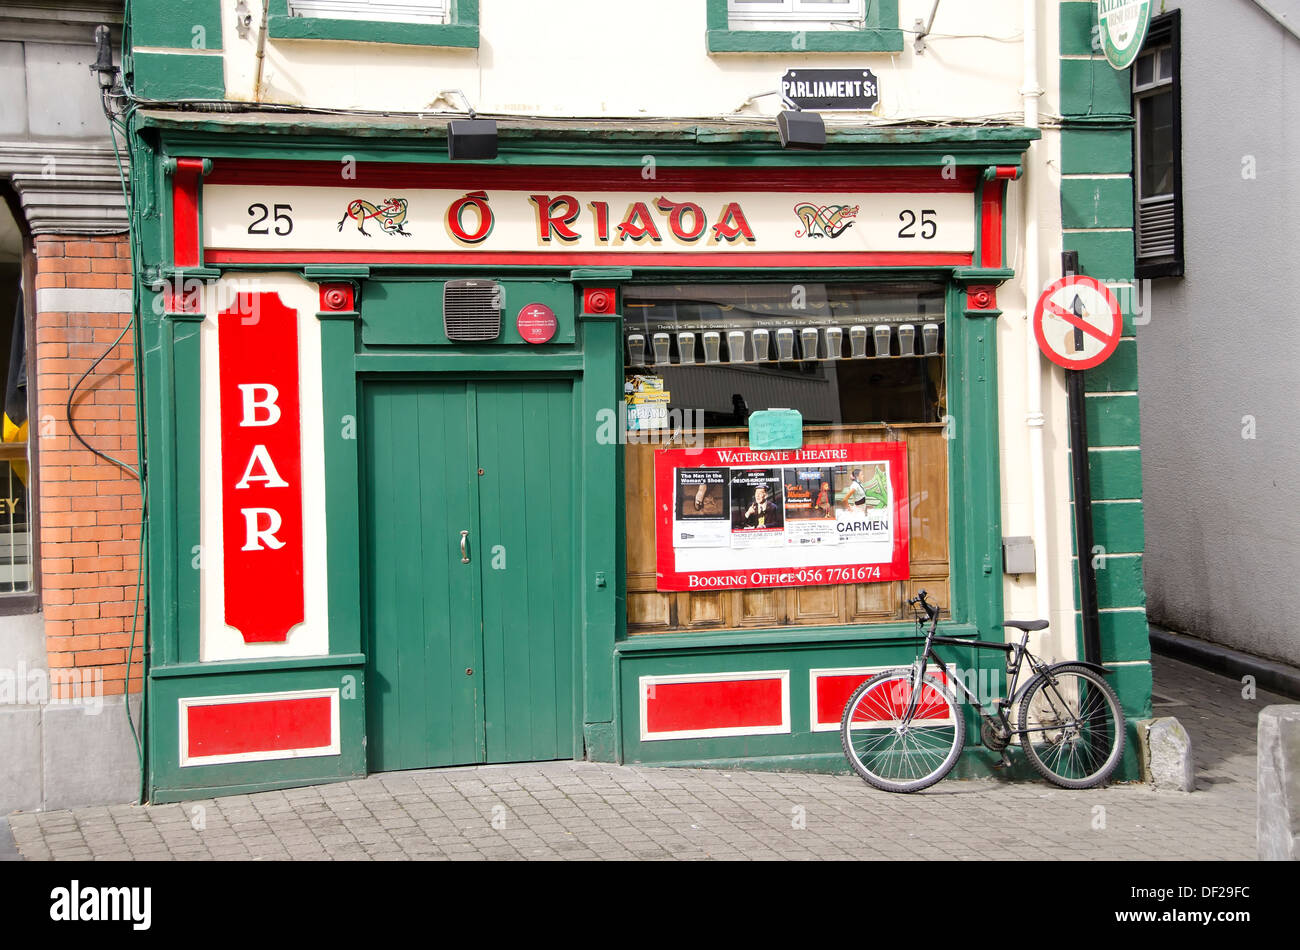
point(178, 75)
point(1112, 420)
point(1097, 203)
point(1125, 636)
point(1103, 254)
point(1117, 526)
point(1096, 151)
point(1091, 87)
point(424, 709)
point(1118, 374)
point(526, 556)
point(1115, 474)
point(1078, 20)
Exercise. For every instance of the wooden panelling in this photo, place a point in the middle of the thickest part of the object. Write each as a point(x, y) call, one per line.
point(650, 611)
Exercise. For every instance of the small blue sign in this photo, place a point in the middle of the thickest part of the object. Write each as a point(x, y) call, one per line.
point(776, 429)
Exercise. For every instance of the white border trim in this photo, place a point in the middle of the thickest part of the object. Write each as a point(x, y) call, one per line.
point(184, 704)
point(645, 683)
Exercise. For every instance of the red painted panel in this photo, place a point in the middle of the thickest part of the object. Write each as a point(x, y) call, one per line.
point(261, 467)
point(736, 258)
point(271, 725)
point(834, 690)
point(185, 212)
point(991, 223)
point(833, 693)
point(889, 701)
point(713, 704)
point(389, 176)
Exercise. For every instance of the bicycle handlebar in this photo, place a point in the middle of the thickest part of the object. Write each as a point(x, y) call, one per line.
point(931, 611)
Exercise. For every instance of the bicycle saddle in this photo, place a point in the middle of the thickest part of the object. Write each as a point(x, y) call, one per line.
point(1026, 625)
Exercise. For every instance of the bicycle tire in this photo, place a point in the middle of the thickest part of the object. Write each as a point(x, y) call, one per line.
point(1088, 745)
point(903, 764)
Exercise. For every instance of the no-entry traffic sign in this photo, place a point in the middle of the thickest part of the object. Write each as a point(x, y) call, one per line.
point(1077, 322)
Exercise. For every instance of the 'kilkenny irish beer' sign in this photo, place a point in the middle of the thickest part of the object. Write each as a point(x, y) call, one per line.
point(1123, 27)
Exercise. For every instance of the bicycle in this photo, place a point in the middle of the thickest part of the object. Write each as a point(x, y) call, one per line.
point(901, 738)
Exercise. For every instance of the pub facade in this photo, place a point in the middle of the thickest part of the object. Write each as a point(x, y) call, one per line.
point(514, 391)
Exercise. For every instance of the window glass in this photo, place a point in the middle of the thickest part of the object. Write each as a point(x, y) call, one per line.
point(1156, 144)
point(15, 470)
point(389, 11)
point(862, 363)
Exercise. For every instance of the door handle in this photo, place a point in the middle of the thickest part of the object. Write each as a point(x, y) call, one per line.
point(464, 550)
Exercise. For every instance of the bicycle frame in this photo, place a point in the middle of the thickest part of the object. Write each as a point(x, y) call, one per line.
point(1017, 653)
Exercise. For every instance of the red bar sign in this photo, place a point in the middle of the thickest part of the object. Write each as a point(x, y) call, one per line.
point(261, 467)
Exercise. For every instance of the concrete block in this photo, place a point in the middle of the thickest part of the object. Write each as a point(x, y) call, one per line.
point(1166, 751)
point(90, 759)
point(20, 751)
point(1277, 829)
point(22, 644)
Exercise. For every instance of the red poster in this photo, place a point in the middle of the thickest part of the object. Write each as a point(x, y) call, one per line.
point(735, 518)
point(261, 467)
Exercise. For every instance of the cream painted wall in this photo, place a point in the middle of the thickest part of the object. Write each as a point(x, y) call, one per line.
point(632, 58)
point(624, 59)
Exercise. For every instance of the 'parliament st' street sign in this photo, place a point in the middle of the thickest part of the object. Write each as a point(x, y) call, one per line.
point(824, 90)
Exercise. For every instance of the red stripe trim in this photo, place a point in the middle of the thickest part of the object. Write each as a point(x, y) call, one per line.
point(274, 725)
point(991, 224)
point(713, 704)
point(737, 257)
point(388, 176)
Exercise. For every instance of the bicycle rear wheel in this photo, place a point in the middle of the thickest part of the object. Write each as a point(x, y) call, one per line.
point(1072, 726)
point(891, 752)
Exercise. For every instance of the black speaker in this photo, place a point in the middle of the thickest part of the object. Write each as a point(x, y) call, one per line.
point(801, 129)
point(469, 139)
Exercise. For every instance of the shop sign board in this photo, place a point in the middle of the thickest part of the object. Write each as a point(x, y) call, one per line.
point(1077, 322)
point(253, 223)
point(1123, 28)
point(737, 518)
point(828, 90)
point(261, 467)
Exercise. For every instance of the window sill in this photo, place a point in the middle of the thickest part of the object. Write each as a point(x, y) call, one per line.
point(456, 35)
point(811, 41)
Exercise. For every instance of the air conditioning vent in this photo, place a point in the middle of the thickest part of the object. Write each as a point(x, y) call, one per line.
point(471, 310)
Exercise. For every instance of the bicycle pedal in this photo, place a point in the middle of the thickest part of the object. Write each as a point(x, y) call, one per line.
point(1003, 763)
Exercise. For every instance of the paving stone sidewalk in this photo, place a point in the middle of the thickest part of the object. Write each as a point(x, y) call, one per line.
point(581, 810)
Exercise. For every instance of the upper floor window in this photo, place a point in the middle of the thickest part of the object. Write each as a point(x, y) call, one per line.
point(1158, 153)
point(384, 11)
point(803, 26)
point(786, 14)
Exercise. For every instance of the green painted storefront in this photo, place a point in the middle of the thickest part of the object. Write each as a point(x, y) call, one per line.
point(554, 673)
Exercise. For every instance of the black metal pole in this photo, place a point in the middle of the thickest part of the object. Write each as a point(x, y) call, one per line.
point(1082, 498)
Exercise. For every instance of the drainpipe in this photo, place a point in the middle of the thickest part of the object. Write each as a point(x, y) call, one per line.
point(1030, 93)
point(261, 51)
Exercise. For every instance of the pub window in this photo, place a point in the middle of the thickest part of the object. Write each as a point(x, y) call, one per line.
point(863, 365)
point(385, 11)
point(1158, 152)
point(16, 530)
point(789, 14)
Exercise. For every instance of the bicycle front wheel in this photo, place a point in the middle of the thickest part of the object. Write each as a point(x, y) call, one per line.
point(896, 752)
point(1072, 726)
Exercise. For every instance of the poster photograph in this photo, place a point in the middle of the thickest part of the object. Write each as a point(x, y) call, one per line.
point(701, 517)
point(735, 518)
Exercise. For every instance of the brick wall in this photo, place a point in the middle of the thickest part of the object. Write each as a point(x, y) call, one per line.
point(89, 508)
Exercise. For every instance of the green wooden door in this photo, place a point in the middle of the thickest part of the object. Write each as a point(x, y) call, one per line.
point(469, 661)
